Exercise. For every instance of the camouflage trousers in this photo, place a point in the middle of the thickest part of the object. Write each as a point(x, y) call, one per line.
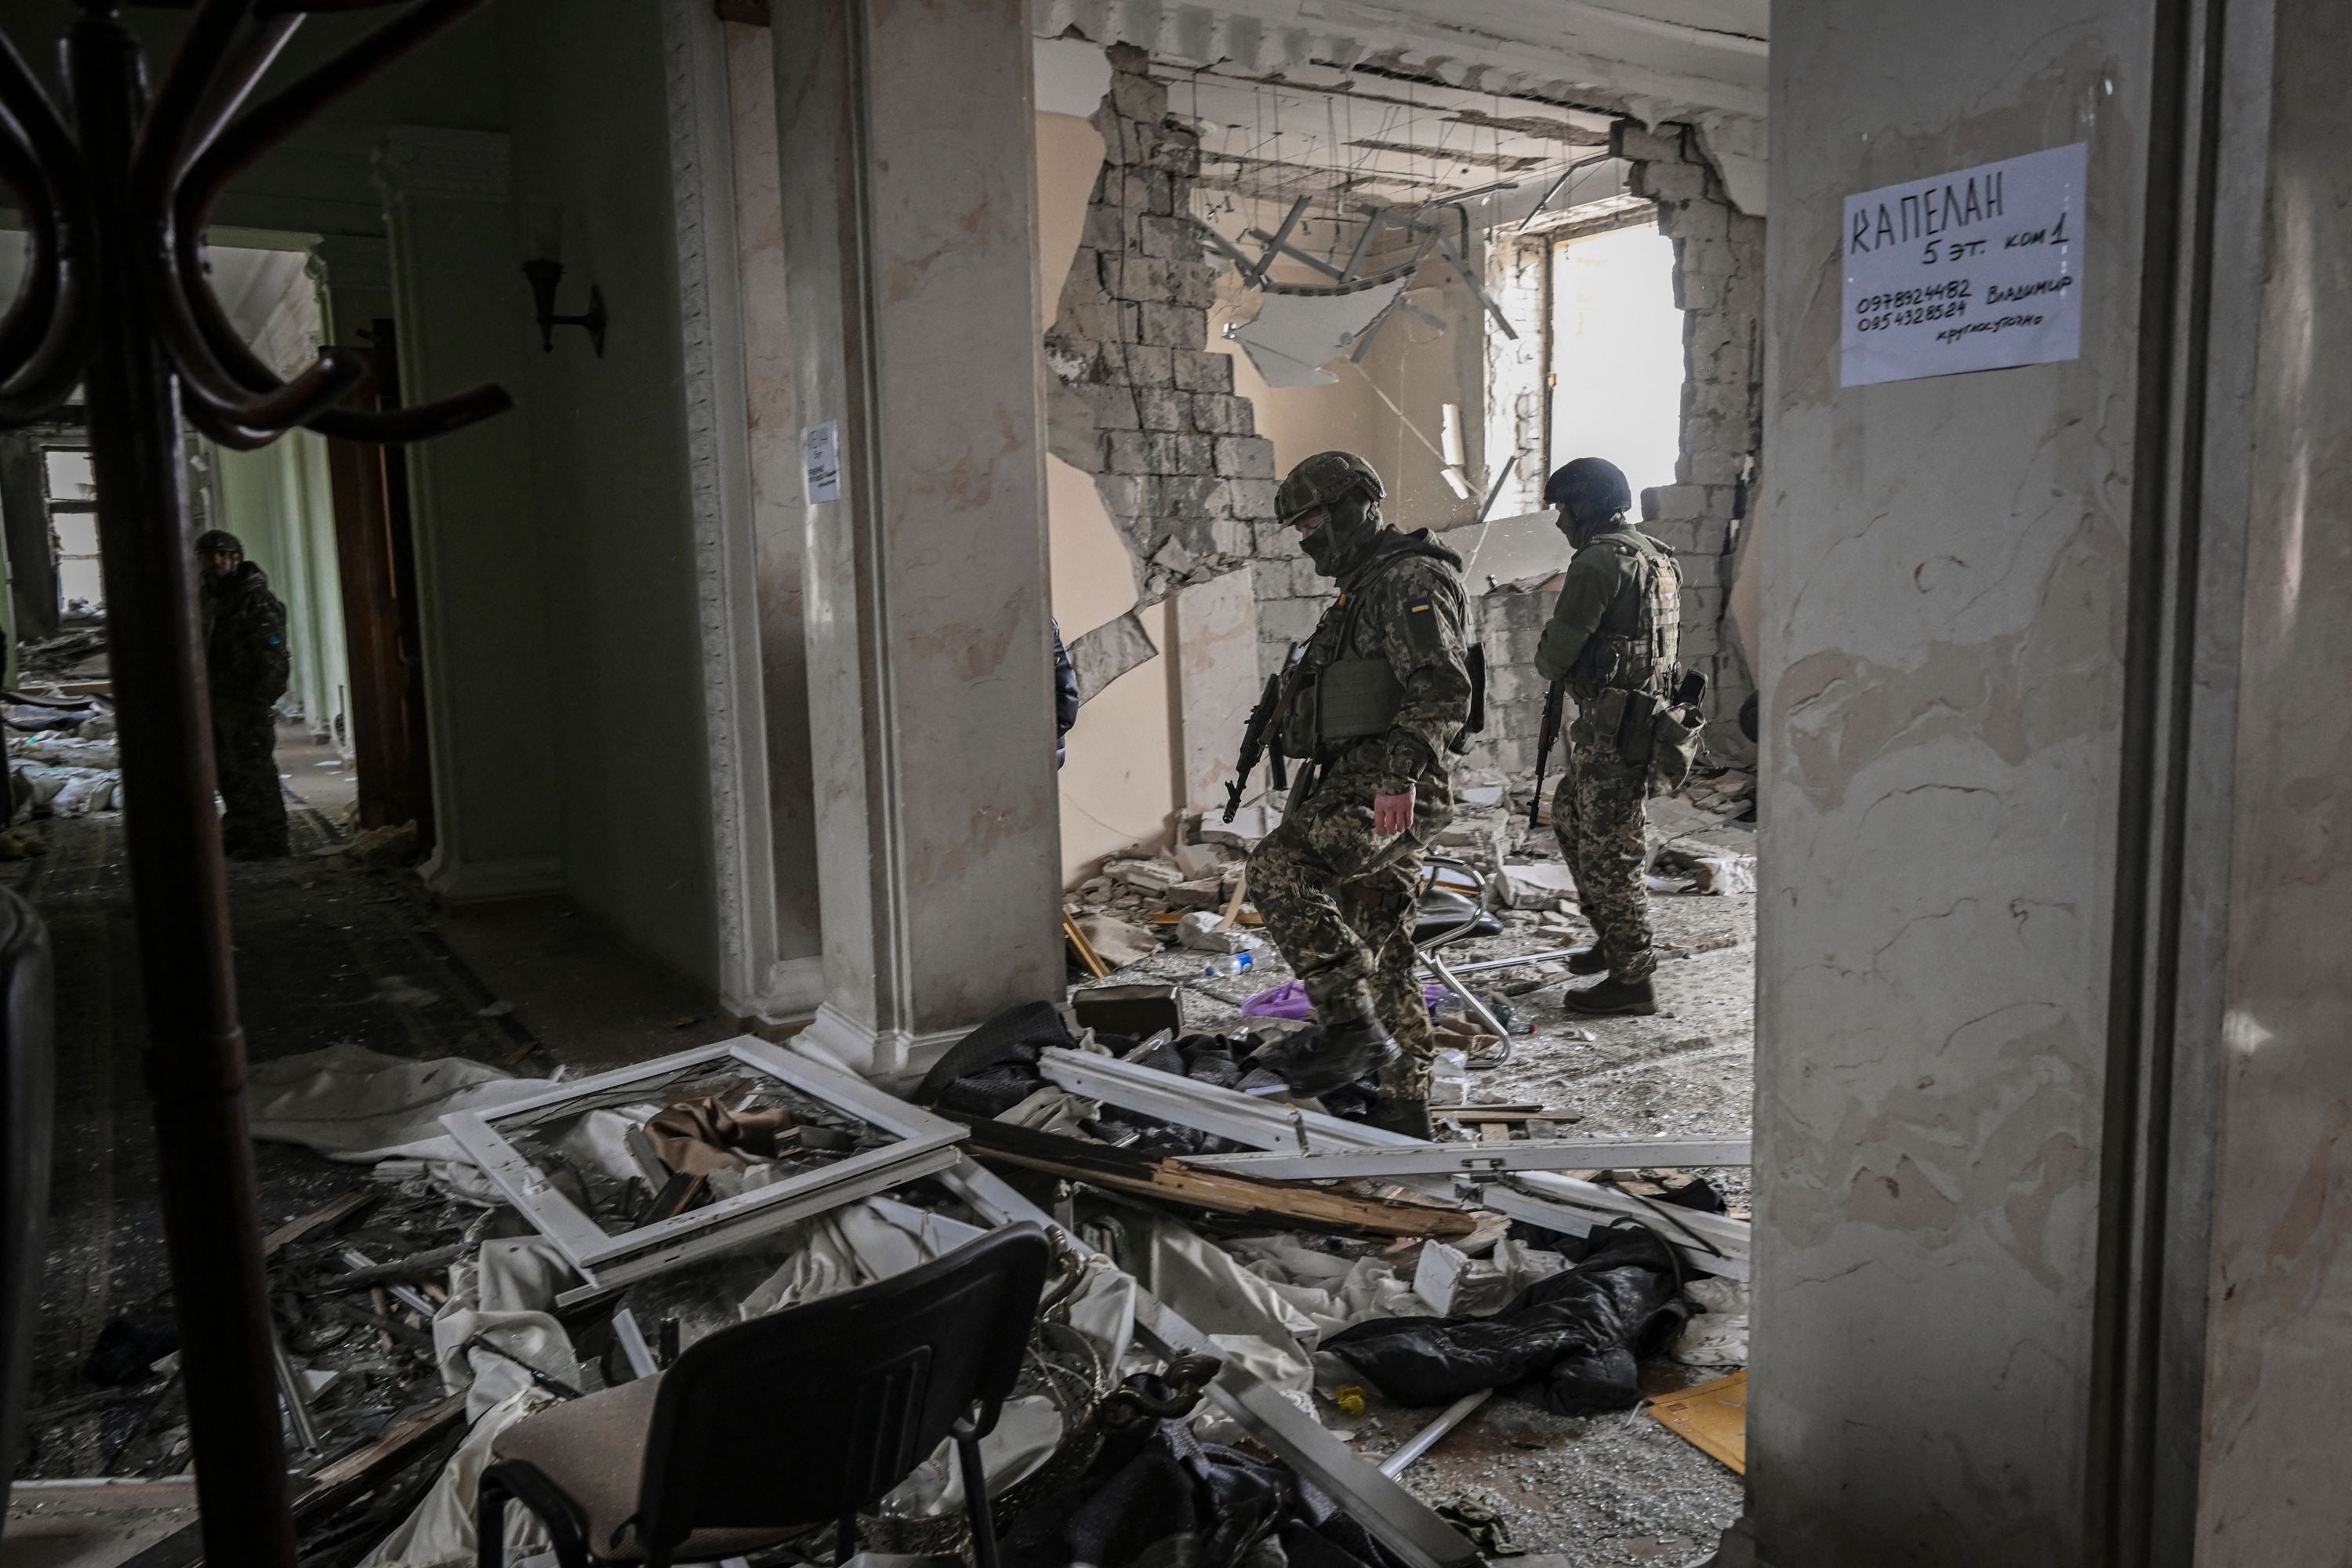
point(244, 747)
point(1597, 812)
point(1338, 900)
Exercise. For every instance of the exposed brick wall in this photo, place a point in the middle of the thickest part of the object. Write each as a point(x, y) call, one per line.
point(1138, 400)
point(1514, 371)
point(1720, 284)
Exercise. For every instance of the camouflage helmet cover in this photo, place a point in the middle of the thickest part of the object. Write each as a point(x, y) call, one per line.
point(1324, 478)
point(219, 541)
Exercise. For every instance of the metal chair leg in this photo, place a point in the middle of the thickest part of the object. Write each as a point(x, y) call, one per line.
point(491, 1522)
point(975, 1493)
point(1477, 1008)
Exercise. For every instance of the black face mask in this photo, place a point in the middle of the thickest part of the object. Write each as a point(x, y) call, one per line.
point(1581, 531)
point(1349, 526)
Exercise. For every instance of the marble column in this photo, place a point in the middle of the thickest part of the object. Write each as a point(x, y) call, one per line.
point(906, 134)
point(464, 319)
point(2054, 1116)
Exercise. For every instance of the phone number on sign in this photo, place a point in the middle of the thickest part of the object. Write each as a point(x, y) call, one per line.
point(1919, 315)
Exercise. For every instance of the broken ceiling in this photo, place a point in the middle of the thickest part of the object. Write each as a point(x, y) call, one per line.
point(1701, 62)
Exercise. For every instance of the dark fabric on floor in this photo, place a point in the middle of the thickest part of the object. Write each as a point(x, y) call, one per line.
point(1567, 1344)
point(1157, 1496)
point(995, 1068)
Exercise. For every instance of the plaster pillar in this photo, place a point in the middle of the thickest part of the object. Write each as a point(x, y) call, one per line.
point(465, 317)
point(906, 135)
point(2053, 1117)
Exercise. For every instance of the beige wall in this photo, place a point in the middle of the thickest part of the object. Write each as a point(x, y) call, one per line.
point(1120, 782)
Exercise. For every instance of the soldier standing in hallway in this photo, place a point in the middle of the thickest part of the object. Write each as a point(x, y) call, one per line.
point(1375, 703)
point(246, 666)
point(1613, 635)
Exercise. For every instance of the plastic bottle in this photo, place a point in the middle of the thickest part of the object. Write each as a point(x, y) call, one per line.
point(1228, 963)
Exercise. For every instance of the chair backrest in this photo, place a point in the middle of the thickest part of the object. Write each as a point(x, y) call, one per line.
point(809, 1415)
point(27, 1070)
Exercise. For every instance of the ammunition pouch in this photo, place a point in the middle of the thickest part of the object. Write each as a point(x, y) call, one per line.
point(1657, 737)
point(1356, 698)
point(1674, 746)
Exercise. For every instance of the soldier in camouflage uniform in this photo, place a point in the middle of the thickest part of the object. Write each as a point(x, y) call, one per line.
point(1375, 703)
point(245, 666)
point(1615, 630)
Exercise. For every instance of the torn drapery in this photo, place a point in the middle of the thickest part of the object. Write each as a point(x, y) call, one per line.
point(700, 1136)
point(441, 1532)
point(354, 1104)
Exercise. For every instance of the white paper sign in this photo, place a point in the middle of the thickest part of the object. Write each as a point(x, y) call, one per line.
point(1973, 270)
point(821, 461)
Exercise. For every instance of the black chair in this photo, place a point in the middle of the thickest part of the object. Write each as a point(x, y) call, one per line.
point(763, 1429)
point(27, 1077)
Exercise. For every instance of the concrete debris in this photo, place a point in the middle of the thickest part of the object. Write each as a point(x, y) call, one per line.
point(1198, 861)
point(1109, 651)
point(1203, 930)
point(1206, 894)
point(1725, 874)
point(1540, 886)
point(1151, 875)
point(1116, 941)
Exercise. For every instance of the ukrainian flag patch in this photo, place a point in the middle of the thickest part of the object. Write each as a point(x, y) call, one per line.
point(1417, 605)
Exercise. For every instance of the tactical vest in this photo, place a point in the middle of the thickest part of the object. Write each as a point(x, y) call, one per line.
point(1329, 700)
point(1643, 658)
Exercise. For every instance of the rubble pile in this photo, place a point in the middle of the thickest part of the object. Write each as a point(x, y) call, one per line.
point(63, 758)
point(426, 1310)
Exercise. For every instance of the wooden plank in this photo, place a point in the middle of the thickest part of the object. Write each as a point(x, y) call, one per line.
point(1281, 1203)
point(364, 1469)
point(317, 1219)
point(1712, 1417)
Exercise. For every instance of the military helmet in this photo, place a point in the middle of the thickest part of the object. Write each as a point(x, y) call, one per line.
point(1590, 486)
point(1324, 478)
point(219, 542)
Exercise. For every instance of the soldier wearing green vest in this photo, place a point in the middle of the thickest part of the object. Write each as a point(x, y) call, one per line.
point(1375, 704)
point(1613, 637)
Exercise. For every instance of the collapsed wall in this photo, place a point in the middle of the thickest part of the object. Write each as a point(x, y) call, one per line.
point(1719, 285)
point(1138, 400)
point(1140, 403)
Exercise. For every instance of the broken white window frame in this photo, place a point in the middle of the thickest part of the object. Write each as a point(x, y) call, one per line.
point(1401, 1520)
point(1480, 1159)
point(923, 1145)
point(1708, 1244)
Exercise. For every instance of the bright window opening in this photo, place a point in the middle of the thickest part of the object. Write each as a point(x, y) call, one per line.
point(1618, 354)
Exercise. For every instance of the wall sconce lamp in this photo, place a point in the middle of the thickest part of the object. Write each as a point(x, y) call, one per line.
point(544, 275)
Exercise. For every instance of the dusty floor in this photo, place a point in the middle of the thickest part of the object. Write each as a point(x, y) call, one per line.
point(1613, 1489)
point(328, 952)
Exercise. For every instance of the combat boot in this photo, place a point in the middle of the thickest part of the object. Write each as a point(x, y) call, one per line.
point(1587, 960)
point(1395, 1113)
point(1353, 1044)
point(1615, 998)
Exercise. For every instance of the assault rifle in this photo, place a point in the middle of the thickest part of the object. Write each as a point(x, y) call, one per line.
point(1547, 734)
point(1254, 738)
